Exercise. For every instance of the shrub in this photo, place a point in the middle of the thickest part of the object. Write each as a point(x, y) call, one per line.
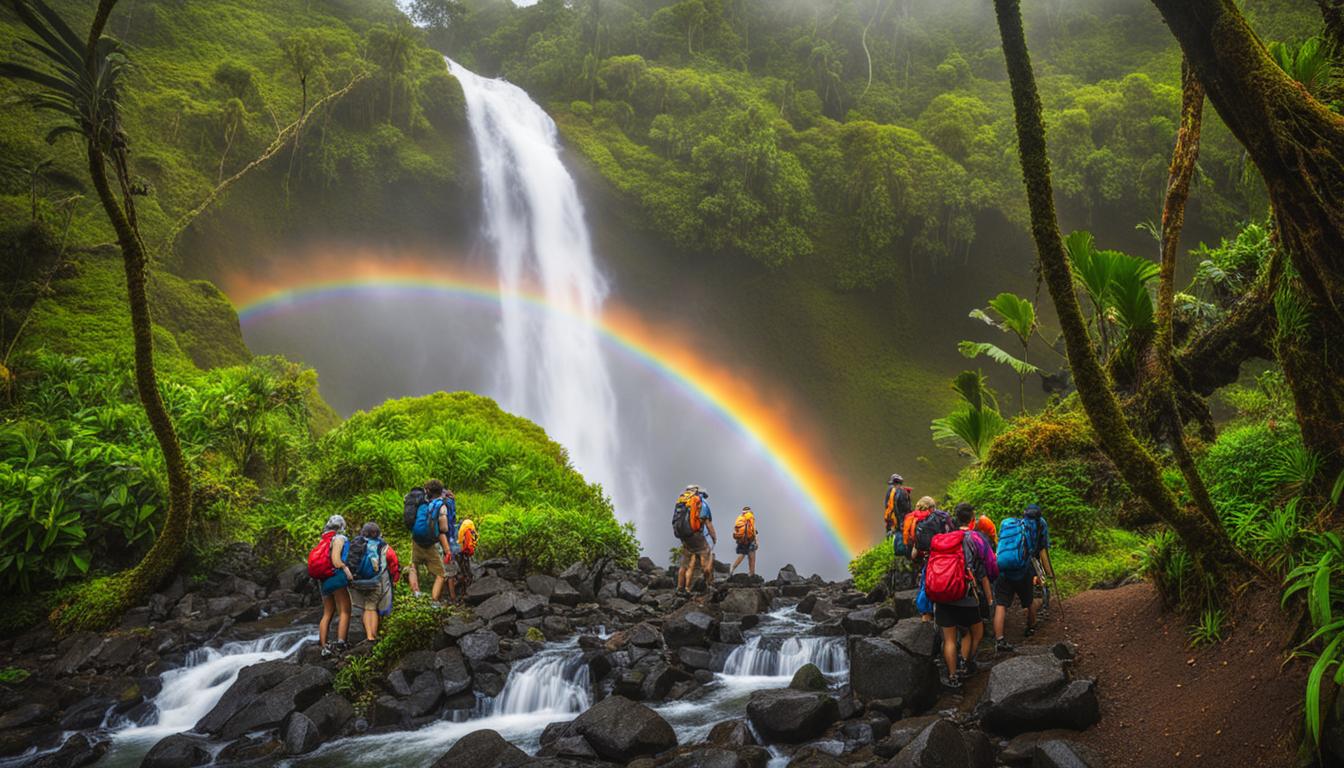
point(872, 565)
point(1077, 499)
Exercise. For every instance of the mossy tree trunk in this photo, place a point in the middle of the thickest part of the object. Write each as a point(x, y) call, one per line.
point(127, 588)
point(1298, 146)
point(1207, 543)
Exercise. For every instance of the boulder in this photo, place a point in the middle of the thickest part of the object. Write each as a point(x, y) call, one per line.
point(529, 606)
point(486, 587)
point(302, 689)
point(1061, 753)
point(86, 715)
point(620, 729)
point(479, 646)
point(76, 652)
point(918, 637)
point(497, 605)
point(707, 757)
point(786, 715)
point(809, 678)
point(250, 682)
point(452, 671)
point(575, 747)
point(541, 585)
point(482, 749)
point(689, 626)
point(659, 680)
point(78, 750)
point(1033, 693)
point(456, 628)
point(880, 669)
point(645, 635)
point(940, 745)
point(630, 591)
point(731, 733)
point(695, 658)
point(745, 600)
point(301, 734)
point(901, 733)
point(869, 621)
point(330, 715)
point(903, 602)
point(177, 751)
point(565, 594)
point(576, 574)
point(26, 714)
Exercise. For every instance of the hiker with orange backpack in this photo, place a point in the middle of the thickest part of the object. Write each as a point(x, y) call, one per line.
point(326, 565)
point(895, 507)
point(955, 579)
point(918, 531)
point(691, 518)
point(466, 548)
point(744, 533)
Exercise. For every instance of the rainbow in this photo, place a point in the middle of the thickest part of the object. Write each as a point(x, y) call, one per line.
point(835, 516)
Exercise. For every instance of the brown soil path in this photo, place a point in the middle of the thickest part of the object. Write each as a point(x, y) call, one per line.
point(1162, 704)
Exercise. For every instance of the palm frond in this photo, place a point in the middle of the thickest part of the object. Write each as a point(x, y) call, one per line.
point(974, 349)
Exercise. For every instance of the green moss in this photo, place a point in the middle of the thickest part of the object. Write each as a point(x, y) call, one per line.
point(13, 675)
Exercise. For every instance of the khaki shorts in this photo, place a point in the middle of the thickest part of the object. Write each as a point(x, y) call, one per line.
point(695, 553)
point(377, 598)
point(430, 557)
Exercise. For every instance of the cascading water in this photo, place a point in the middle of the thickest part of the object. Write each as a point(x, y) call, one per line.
point(191, 691)
point(553, 681)
point(775, 657)
point(552, 370)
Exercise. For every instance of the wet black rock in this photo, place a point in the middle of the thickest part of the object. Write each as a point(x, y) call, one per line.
point(177, 751)
point(731, 733)
point(330, 715)
point(78, 750)
point(880, 669)
point(620, 729)
point(745, 600)
point(301, 734)
point(901, 733)
point(452, 671)
point(1033, 693)
point(689, 626)
point(918, 637)
point(482, 749)
point(263, 696)
point(808, 678)
point(485, 588)
point(479, 646)
point(1061, 753)
point(31, 713)
point(497, 605)
point(940, 745)
point(541, 585)
point(87, 714)
point(565, 594)
point(695, 658)
point(789, 716)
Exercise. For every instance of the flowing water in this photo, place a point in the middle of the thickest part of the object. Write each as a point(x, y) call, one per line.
point(552, 369)
point(553, 686)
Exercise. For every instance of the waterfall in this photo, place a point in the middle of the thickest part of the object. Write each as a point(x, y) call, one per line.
point(552, 370)
point(781, 657)
point(553, 681)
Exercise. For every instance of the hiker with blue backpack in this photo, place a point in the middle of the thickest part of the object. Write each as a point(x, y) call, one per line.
point(1022, 540)
point(327, 565)
point(371, 588)
point(430, 515)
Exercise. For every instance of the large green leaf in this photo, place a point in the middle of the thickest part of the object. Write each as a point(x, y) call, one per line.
point(974, 390)
point(1089, 271)
point(1019, 315)
point(1128, 292)
point(973, 349)
point(975, 428)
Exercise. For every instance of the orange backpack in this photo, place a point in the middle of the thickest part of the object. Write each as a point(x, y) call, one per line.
point(686, 515)
point(912, 520)
point(466, 538)
point(744, 530)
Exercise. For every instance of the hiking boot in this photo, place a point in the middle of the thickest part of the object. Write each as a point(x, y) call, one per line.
point(1029, 631)
point(683, 593)
point(967, 667)
point(327, 652)
point(340, 647)
point(952, 683)
point(1003, 646)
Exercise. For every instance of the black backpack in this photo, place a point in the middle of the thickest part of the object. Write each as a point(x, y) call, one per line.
point(411, 506)
point(681, 517)
point(937, 522)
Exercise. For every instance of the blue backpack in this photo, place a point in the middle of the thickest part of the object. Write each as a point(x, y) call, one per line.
point(1018, 538)
point(425, 532)
point(368, 557)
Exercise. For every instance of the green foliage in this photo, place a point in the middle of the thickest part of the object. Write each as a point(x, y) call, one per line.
point(1307, 62)
point(976, 421)
point(869, 568)
point(1113, 558)
point(13, 675)
point(81, 485)
point(411, 627)
point(1078, 501)
point(974, 349)
point(1115, 283)
point(1209, 629)
point(528, 503)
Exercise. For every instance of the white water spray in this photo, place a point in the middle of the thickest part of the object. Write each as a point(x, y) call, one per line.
point(553, 681)
point(552, 370)
point(775, 657)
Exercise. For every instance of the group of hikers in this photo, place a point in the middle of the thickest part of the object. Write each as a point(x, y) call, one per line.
point(358, 574)
point(691, 520)
point(963, 565)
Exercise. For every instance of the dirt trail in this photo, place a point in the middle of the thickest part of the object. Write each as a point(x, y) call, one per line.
point(1163, 704)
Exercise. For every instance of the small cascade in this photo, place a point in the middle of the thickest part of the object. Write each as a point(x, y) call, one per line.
point(766, 656)
point(554, 681)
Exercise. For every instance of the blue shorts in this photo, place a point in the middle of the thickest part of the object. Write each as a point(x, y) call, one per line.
point(747, 548)
point(334, 582)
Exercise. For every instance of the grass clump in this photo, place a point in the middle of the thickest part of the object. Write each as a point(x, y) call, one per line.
point(872, 565)
point(411, 627)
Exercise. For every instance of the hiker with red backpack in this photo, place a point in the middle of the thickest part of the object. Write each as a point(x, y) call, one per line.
point(691, 518)
point(895, 506)
point(955, 579)
point(1021, 540)
point(920, 527)
point(326, 565)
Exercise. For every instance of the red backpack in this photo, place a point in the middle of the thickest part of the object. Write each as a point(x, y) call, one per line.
point(945, 578)
point(319, 558)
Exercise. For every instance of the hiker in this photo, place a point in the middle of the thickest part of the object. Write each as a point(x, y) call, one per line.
point(955, 579)
point(691, 518)
point(326, 564)
point(917, 532)
point(985, 550)
point(895, 506)
point(466, 548)
point(1021, 540)
point(986, 526)
point(371, 588)
point(435, 516)
point(744, 533)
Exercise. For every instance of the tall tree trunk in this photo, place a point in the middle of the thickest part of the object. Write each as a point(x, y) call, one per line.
point(162, 557)
point(1207, 544)
point(1159, 378)
point(1332, 13)
point(1298, 146)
